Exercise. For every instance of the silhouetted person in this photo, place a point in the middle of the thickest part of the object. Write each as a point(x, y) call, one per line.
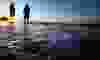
point(26, 13)
point(12, 9)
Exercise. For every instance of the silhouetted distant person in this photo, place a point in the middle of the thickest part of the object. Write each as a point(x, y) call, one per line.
point(12, 9)
point(26, 13)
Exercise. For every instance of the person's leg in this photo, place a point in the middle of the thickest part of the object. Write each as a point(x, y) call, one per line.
point(12, 12)
point(25, 19)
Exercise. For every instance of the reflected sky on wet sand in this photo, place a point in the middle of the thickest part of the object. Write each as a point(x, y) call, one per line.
point(58, 38)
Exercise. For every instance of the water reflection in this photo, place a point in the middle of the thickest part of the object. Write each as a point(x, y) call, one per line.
point(64, 39)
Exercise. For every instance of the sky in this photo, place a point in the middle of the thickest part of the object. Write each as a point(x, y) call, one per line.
point(56, 7)
point(59, 7)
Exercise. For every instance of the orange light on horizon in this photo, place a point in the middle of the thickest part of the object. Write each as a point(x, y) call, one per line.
point(7, 19)
point(9, 23)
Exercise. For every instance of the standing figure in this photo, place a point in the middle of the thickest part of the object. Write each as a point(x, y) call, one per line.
point(12, 9)
point(26, 13)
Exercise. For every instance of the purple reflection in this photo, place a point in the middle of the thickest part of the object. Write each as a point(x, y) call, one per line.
point(76, 44)
point(7, 29)
point(11, 29)
point(64, 44)
point(64, 39)
point(75, 35)
point(51, 39)
point(76, 40)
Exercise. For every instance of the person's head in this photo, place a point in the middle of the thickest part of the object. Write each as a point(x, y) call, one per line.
point(26, 6)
